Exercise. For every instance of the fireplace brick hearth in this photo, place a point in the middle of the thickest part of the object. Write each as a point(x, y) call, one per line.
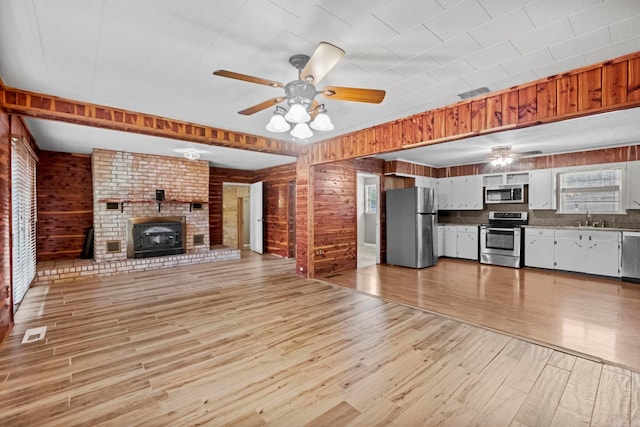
point(131, 181)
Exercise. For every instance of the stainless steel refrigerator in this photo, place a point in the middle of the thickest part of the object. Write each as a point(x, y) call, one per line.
point(412, 232)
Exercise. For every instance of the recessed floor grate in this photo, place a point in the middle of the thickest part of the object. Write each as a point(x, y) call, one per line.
point(34, 334)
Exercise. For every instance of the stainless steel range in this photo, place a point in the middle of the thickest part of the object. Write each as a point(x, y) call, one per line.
point(501, 239)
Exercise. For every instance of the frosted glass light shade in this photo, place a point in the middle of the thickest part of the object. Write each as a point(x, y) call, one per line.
point(301, 131)
point(278, 124)
point(322, 122)
point(297, 114)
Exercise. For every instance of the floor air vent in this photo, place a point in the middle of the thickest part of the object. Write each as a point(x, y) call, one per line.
point(34, 334)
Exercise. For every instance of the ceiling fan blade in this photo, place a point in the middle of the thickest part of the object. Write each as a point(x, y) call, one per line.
point(374, 96)
point(261, 106)
point(247, 78)
point(325, 57)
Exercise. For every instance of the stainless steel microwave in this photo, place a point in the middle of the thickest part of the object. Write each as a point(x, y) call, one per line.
point(510, 193)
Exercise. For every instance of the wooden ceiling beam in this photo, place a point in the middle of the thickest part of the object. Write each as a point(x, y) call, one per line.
point(38, 105)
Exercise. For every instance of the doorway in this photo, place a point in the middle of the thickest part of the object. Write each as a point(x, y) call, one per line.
point(236, 232)
point(368, 219)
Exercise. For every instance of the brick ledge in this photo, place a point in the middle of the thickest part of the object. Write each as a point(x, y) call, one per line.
point(51, 272)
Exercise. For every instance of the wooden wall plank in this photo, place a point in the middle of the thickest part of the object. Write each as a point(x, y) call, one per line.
point(451, 121)
point(614, 84)
point(494, 111)
point(633, 80)
point(590, 89)
point(464, 118)
point(546, 100)
point(478, 115)
point(567, 95)
point(6, 307)
point(65, 204)
point(527, 104)
point(509, 108)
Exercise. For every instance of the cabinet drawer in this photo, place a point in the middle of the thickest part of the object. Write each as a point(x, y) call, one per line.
point(607, 236)
point(570, 234)
point(539, 232)
point(467, 229)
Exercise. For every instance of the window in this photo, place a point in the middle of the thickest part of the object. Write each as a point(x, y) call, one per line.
point(370, 198)
point(24, 212)
point(590, 191)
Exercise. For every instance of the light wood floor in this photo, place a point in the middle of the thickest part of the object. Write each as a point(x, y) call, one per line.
point(588, 315)
point(249, 343)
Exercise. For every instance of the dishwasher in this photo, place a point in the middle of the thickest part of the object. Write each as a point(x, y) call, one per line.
point(631, 256)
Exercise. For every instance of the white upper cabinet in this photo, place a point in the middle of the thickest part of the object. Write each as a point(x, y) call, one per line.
point(541, 191)
point(475, 195)
point(460, 193)
point(633, 185)
point(444, 193)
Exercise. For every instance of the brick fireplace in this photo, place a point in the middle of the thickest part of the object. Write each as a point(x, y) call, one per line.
point(124, 191)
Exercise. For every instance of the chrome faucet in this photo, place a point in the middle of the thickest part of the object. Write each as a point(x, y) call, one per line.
point(587, 221)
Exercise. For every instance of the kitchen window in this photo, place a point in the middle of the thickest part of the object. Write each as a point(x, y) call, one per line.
point(590, 191)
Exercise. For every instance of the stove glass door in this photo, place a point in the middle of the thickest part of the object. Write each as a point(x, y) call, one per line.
point(500, 238)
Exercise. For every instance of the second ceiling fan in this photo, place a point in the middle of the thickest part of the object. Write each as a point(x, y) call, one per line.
point(300, 94)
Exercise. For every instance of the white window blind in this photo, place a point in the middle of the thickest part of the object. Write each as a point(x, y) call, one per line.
point(24, 213)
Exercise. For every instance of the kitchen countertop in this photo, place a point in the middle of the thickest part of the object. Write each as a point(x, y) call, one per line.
point(573, 227)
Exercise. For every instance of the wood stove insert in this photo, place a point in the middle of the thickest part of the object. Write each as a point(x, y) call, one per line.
point(155, 236)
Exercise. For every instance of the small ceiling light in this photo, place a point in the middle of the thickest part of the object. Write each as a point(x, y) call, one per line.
point(278, 123)
point(191, 155)
point(301, 131)
point(297, 114)
point(322, 121)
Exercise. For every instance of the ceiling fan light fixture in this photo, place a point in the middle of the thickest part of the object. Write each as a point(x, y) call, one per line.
point(322, 121)
point(297, 114)
point(501, 156)
point(278, 123)
point(301, 131)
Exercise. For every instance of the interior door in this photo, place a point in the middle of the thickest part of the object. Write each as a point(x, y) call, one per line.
point(255, 200)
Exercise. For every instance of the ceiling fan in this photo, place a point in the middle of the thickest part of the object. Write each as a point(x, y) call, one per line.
point(300, 94)
point(503, 156)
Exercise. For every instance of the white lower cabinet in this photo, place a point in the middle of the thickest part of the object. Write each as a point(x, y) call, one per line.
point(450, 241)
point(604, 253)
point(441, 240)
point(460, 241)
point(571, 251)
point(467, 242)
point(539, 247)
point(589, 251)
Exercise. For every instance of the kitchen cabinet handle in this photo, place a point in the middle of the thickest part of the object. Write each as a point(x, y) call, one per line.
point(578, 244)
point(594, 245)
point(636, 202)
point(545, 204)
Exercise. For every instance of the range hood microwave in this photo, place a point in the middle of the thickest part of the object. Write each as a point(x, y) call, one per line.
point(510, 193)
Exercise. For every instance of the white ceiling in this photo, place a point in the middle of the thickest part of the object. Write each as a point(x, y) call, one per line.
point(157, 56)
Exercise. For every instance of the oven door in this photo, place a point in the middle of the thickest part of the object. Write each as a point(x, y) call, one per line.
point(500, 241)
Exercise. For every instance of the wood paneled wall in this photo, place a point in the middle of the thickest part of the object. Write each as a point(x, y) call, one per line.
point(217, 176)
point(276, 206)
point(6, 311)
point(333, 217)
point(589, 90)
point(275, 203)
point(65, 204)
